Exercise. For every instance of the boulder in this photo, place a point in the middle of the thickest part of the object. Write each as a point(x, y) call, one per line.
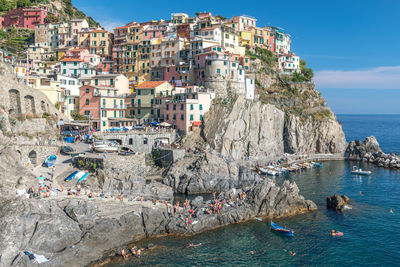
point(338, 202)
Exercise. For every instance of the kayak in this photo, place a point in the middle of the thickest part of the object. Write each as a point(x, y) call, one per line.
point(71, 176)
point(83, 177)
point(50, 160)
point(281, 229)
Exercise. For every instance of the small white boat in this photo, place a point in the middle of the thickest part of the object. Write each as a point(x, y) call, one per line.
point(107, 148)
point(359, 171)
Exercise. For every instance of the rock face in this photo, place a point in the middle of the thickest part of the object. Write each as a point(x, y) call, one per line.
point(357, 150)
point(260, 132)
point(118, 175)
point(244, 129)
point(209, 173)
point(338, 202)
point(75, 232)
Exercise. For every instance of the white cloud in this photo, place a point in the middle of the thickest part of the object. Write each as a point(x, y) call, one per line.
point(111, 25)
point(376, 78)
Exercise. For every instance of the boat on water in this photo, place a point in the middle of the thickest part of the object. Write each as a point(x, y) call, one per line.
point(317, 164)
point(281, 229)
point(359, 171)
point(71, 176)
point(50, 160)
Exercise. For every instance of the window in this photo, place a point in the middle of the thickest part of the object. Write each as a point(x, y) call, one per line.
point(139, 101)
point(182, 117)
point(139, 111)
point(87, 101)
point(174, 118)
point(86, 71)
point(201, 107)
point(115, 113)
point(96, 82)
point(139, 92)
point(201, 117)
point(87, 90)
point(152, 91)
point(218, 71)
point(191, 117)
point(174, 107)
point(167, 107)
point(191, 107)
point(182, 106)
point(104, 123)
point(167, 117)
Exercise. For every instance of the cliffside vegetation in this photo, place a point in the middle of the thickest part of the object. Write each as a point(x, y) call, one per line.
point(294, 94)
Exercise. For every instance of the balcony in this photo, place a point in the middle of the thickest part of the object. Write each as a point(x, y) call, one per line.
point(124, 106)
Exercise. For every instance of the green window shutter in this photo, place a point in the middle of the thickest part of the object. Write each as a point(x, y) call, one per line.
point(115, 113)
point(191, 117)
point(191, 107)
point(201, 117)
point(201, 107)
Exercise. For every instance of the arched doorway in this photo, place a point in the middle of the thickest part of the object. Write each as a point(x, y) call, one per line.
point(15, 102)
point(29, 104)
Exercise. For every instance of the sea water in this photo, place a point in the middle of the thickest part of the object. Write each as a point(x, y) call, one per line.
point(371, 232)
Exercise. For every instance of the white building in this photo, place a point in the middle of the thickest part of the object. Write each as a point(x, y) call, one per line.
point(76, 68)
point(289, 63)
point(70, 87)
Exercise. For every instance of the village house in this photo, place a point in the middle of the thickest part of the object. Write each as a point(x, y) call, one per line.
point(104, 101)
point(146, 93)
point(77, 68)
point(186, 108)
point(27, 17)
point(289, 63)
point(70, 88)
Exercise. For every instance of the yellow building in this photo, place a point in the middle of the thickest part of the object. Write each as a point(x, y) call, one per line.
point(144, 102)
point(179, 18)
point(132, 53)
point(50, 88)
point(246, 38)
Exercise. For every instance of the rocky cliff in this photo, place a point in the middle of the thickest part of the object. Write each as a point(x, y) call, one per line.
point(284, 117)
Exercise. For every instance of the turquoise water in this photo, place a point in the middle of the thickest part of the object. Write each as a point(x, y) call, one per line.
point(371, 233)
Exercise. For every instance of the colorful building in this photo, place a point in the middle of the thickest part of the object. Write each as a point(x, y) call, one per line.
point(27, 17)
point(289, 63)
point(186, 108)
point(146, 93)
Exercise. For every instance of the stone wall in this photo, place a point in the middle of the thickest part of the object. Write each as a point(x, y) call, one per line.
point(139, 141)
point(32, 156)
point(16, 98)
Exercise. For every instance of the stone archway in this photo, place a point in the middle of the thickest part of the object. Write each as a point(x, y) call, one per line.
point(15, 102)
point(43, 106)
point(32, 157)
point(29, 104)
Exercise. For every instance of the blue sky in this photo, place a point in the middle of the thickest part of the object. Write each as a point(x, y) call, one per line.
point(352, 46)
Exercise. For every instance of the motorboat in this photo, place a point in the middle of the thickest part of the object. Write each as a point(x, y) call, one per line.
point(359, 171)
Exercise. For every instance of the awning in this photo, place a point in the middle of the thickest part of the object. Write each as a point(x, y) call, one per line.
point(196, 123)
point(165, 124)
point(155, 123)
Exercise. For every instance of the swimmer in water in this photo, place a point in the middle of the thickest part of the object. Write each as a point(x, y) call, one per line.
point(192, 245)
point(391, 211)
point(361, 193)
point(251, 251)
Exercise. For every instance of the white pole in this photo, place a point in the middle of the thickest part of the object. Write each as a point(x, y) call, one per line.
point(27, 67)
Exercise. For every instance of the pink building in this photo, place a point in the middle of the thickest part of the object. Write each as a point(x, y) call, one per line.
point(26, 17)
point(77, 53)
point(187, 107)
point(105, 66)
point(154, 31)
point(1, 22)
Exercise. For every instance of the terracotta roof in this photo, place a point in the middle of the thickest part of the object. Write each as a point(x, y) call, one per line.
point(148, 84)
point(123, 27)
point(71, 60)
point(94, 31)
